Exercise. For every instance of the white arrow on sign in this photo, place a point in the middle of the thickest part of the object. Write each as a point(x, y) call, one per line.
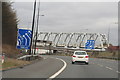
point(25, 39)
point(19, 42)
point(28, 37)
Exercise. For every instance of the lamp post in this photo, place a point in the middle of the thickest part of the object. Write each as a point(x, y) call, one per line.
point(33, 21)
point(109, 33)
point(36, 35)
point(84, 29)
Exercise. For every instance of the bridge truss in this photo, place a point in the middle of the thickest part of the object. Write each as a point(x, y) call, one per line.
point(73, 40)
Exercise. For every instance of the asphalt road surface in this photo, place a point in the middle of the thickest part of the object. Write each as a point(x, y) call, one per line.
point(42, 69)
point(97, 68)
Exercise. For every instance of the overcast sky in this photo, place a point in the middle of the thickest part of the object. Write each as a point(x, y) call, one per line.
point(72, 17)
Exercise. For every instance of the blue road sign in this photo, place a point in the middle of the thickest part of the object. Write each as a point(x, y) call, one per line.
point(24, 39)
point(90, 44)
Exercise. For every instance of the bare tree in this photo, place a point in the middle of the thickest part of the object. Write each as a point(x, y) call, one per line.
point(9, 24)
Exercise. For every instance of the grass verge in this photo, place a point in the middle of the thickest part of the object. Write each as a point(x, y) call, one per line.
point(13, 63)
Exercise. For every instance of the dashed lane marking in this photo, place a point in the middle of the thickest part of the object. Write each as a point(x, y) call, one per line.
point(109, 68)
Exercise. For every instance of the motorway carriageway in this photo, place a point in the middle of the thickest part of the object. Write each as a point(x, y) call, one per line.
point(61, 67)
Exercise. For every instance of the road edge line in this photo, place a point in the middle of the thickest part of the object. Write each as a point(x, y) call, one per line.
point(60, 71)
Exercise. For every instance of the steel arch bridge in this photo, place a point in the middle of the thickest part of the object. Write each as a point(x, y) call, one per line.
point(73, 40)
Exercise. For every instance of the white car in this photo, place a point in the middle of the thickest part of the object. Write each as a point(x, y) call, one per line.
point(80, 56)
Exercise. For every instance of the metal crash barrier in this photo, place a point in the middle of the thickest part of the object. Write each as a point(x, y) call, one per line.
point(29, 57)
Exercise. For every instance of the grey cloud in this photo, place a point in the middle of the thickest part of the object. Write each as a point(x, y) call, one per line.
point(72, 16)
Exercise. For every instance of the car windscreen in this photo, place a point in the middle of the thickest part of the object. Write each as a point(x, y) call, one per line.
point(80, 53)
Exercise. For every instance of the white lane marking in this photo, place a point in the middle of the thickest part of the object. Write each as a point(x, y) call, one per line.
point(60, 71)
point(117, 71)
point(109, 68)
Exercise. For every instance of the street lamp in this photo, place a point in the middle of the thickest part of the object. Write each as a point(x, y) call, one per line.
point(41, 15)
point(84, 29)
point(36, 34)
point(33, 21)
point(109, 33)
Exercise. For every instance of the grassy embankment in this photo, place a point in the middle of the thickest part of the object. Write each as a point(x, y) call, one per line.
point(106, 55)
point(11, 55)
point(12, 63)
point(9, 36)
